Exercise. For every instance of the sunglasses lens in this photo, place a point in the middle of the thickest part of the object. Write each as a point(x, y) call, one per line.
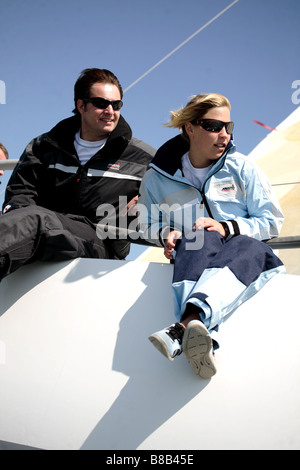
point(212, 126)
point(229, 127)
point(117, 105)
point(102, 103)
point(216, 126)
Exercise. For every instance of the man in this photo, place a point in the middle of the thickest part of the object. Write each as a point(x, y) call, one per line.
point(3, 156)
point(70, 178)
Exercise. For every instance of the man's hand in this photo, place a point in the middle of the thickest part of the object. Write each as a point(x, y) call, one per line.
point(130, 208)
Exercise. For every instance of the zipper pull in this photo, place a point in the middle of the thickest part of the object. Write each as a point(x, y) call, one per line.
point(78, 175)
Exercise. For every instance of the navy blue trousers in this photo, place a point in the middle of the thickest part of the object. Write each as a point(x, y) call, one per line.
point(220, 275)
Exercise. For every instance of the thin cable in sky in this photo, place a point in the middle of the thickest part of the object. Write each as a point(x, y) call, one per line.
point(180, 45)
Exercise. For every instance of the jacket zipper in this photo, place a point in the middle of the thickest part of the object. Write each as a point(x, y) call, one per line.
point(202, 192)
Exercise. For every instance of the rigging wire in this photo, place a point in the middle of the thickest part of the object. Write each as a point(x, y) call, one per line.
point(180, 45)
point(283, 184)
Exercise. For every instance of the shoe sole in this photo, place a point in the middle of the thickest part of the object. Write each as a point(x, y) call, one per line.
point(159, 344)
point(196, 346)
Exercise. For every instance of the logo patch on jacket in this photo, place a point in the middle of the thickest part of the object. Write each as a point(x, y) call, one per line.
point(113, 166)
point(226, 189)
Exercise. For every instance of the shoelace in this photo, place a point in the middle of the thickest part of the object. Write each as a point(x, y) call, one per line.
point(176, 332)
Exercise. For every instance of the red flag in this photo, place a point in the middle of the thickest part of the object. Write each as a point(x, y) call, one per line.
point(264, 125)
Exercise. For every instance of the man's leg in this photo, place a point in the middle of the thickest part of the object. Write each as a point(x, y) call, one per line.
point(32, 233)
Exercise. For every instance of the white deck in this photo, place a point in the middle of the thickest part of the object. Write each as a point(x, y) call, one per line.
point(77, 370)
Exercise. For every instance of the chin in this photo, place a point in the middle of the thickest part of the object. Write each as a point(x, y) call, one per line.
point(108, 129)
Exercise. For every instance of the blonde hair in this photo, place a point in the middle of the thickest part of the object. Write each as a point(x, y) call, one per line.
point(196, 108)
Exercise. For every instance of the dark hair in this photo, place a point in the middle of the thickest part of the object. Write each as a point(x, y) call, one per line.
point(4, 150)
point(87, 78)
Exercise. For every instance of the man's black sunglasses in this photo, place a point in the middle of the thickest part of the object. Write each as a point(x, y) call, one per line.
point(213, 125)
point(102, 103)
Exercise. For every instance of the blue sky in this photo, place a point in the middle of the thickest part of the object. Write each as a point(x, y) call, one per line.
point(250, 54)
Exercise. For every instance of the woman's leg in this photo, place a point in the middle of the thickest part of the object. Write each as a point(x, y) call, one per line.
point(217, 281)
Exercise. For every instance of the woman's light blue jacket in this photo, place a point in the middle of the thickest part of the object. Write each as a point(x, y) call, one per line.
point(235, 191)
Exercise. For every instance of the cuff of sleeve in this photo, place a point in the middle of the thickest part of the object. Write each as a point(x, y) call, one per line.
point(231, 228)
point(7, 208)
point(164, 233)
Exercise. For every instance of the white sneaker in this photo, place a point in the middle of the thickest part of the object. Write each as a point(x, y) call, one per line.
point(197, 346)
point(169, 341)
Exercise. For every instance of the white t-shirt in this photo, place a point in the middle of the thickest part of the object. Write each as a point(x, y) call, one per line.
point(85, 149)
point(196, 176)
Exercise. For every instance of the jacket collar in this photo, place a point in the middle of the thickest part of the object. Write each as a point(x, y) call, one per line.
point(168, 156)
point(64, 132)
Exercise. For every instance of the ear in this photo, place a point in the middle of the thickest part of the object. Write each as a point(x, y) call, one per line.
point(189, 129)
point(80, 106)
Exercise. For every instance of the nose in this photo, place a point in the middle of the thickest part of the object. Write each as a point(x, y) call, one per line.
point(223, 132)
point(109, 109)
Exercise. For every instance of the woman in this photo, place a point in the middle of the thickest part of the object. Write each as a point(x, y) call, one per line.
point(210, 208)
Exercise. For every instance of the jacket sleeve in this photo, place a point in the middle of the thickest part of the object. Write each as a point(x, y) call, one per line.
point(152, 220)
point(265, 217)
point(23, 187)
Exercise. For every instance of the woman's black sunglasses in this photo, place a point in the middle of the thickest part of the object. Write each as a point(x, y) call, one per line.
point(213, 125)
point(102, 103)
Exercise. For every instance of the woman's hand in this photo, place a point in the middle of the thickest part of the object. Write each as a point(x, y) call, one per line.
point(170, 243)
point(210, 225)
